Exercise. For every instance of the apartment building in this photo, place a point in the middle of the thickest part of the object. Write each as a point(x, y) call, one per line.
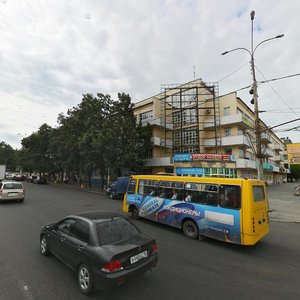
point(198, 133)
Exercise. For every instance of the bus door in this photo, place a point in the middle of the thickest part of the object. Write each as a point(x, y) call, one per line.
point(130, 196)
point(260, 220)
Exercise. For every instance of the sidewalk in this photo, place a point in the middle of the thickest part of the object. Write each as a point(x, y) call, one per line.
point(83, 188)
point(285, 206)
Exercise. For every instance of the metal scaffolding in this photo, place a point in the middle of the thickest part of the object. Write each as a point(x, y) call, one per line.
point(185, 109)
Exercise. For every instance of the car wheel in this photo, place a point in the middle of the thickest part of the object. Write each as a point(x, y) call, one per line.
point(134, 213)
point(85, 279)
point(190, 229)
point(44, 245)
point(21, 200)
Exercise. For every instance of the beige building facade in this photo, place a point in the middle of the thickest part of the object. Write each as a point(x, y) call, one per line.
point(195, 132)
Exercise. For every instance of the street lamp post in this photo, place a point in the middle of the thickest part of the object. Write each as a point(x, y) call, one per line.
point(255, 96)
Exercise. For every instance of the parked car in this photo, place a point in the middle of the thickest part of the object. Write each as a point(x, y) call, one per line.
point(40, 180)
point(31, 178)
point(103, 248)
point(10, 190)
point(9, 176)
point(118, 188)
point(110, 188)
point(20, 177)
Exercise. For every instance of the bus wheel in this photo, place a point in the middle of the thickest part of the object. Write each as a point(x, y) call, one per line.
point(134, 213)
point(190, 229)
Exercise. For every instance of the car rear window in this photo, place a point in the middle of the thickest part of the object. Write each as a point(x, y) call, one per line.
point(12, 186)
point(115, 230)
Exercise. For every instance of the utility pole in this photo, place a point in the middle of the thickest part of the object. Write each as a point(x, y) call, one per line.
point(257, 129)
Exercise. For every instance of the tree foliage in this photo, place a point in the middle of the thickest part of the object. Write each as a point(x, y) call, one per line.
point(7, 156)
point(36, 155)
point(97, 134)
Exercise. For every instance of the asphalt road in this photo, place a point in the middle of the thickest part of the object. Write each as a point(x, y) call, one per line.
point(187, 269)
point(284, 204)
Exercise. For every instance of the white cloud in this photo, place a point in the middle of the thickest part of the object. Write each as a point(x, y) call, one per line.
point(52, 52)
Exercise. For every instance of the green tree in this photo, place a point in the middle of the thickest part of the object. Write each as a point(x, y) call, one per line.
point(36, 153)
point(295, 171)
point(7, 156)
point(78, 139)
point(126, 142)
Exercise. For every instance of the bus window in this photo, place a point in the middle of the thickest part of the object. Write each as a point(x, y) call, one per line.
point(171, 190)
point(192, 192)
point(202, 193)
point(148, 187)
point(131, 186)
point(230, 196)
point(258, 193)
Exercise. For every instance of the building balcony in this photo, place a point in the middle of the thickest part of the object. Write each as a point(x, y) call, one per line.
point(157, 141)
point(233, 140)
point(267, 152)
point(235, 119)
point(266, 138)
point(279, 158)
point(278, 147)
point(242, 163)
point(159, 162)
point(156, 121)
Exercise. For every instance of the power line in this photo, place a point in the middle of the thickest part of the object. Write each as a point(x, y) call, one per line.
point(279, 78)
point(265, 81)
point(234, 71)
point(276, 92)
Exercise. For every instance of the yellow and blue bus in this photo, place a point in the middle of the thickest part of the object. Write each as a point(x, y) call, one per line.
point(228, 209)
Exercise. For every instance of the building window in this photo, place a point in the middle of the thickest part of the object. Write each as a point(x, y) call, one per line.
point(227, 111)
point(240, 132)
point(146, 116)
point(227, 131)
point(176, 119)
point(186, 137)
point(185, 117)
point(241, 153)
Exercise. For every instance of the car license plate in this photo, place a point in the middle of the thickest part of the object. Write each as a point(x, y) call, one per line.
point(138, 257)
point(12, 194)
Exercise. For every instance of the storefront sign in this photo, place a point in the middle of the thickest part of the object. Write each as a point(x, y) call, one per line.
point(267, 166)
point(189, 171)
point(213, 157)
point(182, 157)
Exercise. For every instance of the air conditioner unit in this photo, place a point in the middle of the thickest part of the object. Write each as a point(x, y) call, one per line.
point(208, 111)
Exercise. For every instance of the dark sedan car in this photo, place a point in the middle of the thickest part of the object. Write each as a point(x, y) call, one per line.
point(103, 248)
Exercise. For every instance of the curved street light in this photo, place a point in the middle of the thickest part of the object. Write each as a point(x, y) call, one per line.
point(255, 96)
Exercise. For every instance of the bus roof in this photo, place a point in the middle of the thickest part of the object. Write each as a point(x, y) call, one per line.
point(220, 180)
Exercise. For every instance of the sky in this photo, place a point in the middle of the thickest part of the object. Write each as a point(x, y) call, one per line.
point(54, 51)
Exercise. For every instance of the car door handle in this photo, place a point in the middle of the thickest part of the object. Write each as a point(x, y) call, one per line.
point(80, 247)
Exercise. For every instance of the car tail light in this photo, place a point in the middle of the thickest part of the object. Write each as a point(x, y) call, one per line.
point(154, 248)
point(113, 266)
